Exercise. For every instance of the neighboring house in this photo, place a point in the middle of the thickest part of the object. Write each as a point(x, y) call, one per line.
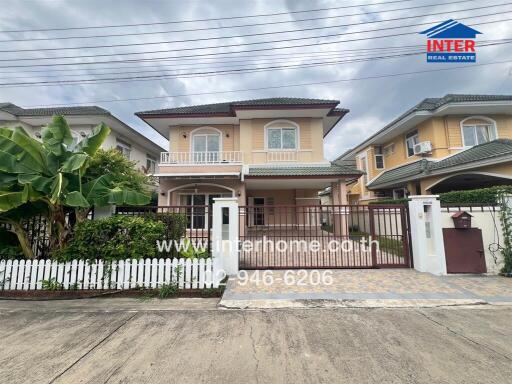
point(82, 120)
point(455, 142)
point(264, 152)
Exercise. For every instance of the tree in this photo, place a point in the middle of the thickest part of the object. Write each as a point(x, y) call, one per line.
point(48, 176)
point(123, 171)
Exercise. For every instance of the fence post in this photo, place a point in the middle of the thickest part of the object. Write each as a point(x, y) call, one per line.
point(427, 234)
point(225, 236)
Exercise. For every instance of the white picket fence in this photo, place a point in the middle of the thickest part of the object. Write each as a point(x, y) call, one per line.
point(124, 274)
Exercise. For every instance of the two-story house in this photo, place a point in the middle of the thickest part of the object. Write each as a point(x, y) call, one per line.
point(264, 152)
point(134, 145)
point(455, 142)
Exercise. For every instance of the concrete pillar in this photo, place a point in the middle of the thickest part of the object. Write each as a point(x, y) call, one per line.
point(339, 216)
point(427, 234)
point(225, 237)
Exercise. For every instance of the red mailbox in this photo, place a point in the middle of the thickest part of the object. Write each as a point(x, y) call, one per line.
point(462, 220)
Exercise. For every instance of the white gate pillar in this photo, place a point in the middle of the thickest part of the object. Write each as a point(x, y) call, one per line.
point(225, 236)
point(427, 234)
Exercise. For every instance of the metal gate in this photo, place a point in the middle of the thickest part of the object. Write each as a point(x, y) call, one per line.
point(324, 236)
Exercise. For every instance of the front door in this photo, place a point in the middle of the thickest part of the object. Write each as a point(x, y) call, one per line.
point(259, 211)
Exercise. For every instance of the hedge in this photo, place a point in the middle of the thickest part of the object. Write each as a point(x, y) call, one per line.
point(121, 237)
point(472, 196)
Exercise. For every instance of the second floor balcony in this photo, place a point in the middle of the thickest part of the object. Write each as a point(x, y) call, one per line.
point(201, 158)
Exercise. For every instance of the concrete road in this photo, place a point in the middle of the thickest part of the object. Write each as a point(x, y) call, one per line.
point(123, 341)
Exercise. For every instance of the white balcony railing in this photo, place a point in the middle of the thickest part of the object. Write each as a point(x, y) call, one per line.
point(193, 158)
point(282, 156)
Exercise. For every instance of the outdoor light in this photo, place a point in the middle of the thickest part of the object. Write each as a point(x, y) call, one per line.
point(83, 134)
point(227, 134)
point(38, 134)
point(184, 135)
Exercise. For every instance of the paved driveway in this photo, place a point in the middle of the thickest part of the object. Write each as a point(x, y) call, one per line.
point(127, 341)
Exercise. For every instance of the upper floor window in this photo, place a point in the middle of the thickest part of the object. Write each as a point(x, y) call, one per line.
point(478, 131)
point(411, 139)
point(124, 148)
point(389, 150)
point(379, 158)
point(364, 168)
point(282, 136)
point(150, 164)
point(206, 145)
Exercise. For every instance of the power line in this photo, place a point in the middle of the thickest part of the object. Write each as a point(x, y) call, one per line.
point(256, 61)
point(472, 66)
point(203, 20)
point(203, 74)
point(244, 25)
point(219, 53)
point(258, 34)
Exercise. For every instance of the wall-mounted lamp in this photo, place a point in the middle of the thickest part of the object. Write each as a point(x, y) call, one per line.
point(38, 134)
point(227, 134)
point(184, 135)
point(162, 193)
point(83, 134)
point(238, 193)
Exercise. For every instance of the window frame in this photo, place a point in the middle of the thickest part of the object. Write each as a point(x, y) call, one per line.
point(282, 125)
point(484, 121)
point(123, 146)
point(392, 146)
point(151, 164)
point(411, 135)
point(381, 155)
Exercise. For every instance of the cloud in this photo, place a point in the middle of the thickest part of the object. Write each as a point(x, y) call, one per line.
point(373, 103)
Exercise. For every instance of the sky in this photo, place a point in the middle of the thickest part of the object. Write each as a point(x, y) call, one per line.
point(347, 65)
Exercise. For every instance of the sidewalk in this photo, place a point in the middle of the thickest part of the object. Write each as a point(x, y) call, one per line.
point(368, 288)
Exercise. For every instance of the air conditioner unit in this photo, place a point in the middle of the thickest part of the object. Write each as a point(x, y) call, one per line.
point(422, 148)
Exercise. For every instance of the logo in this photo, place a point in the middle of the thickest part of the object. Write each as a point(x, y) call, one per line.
point(451, 42)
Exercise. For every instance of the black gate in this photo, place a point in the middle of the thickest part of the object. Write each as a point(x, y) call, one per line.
point(324, 236)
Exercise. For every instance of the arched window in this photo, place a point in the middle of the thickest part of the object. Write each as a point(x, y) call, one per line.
point(478, 130)
point(282, 135)
point(206, 144)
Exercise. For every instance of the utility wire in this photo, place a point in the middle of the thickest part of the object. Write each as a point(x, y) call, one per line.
point(201, 74)
point(472, 66)
point(218, 53)
point(301, 30)
point(256, 62)
point(249, 25)
point(203, 20)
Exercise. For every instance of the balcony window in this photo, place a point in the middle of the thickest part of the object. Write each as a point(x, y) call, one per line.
point(206, 147)
point(282, 138)
point(411, 139)
point(474, 134)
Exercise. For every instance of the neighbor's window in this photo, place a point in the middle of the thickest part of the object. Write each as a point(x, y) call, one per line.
point(150, 164)
point(411, 139)
point(282, 138)
point(389, 150)
point(124, 148)
point(379, 158)
point(474, 134)
point(364, 168)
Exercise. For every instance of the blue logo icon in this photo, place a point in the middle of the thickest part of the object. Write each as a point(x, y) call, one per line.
point(451, 42)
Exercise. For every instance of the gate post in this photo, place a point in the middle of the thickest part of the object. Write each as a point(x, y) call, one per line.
point(225, 236)
point(427, 234)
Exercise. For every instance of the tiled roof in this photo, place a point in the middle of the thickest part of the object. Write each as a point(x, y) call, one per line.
point(496, 149)
point(326, 170)
point(408, 171)
point(490, 150)
point(227, 107)
point(86, 110)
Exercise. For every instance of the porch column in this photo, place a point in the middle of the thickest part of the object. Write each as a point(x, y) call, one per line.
point(339, 197)
point(427, 234)
point(225, 237)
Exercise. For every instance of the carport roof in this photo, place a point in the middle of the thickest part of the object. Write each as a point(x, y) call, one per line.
point(303, 171)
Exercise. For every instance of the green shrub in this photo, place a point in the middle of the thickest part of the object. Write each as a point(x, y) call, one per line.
point(474, 196)
point(114, 238)
point(9, 246)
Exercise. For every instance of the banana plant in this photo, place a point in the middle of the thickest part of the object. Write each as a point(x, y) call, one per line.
point(49, 173)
